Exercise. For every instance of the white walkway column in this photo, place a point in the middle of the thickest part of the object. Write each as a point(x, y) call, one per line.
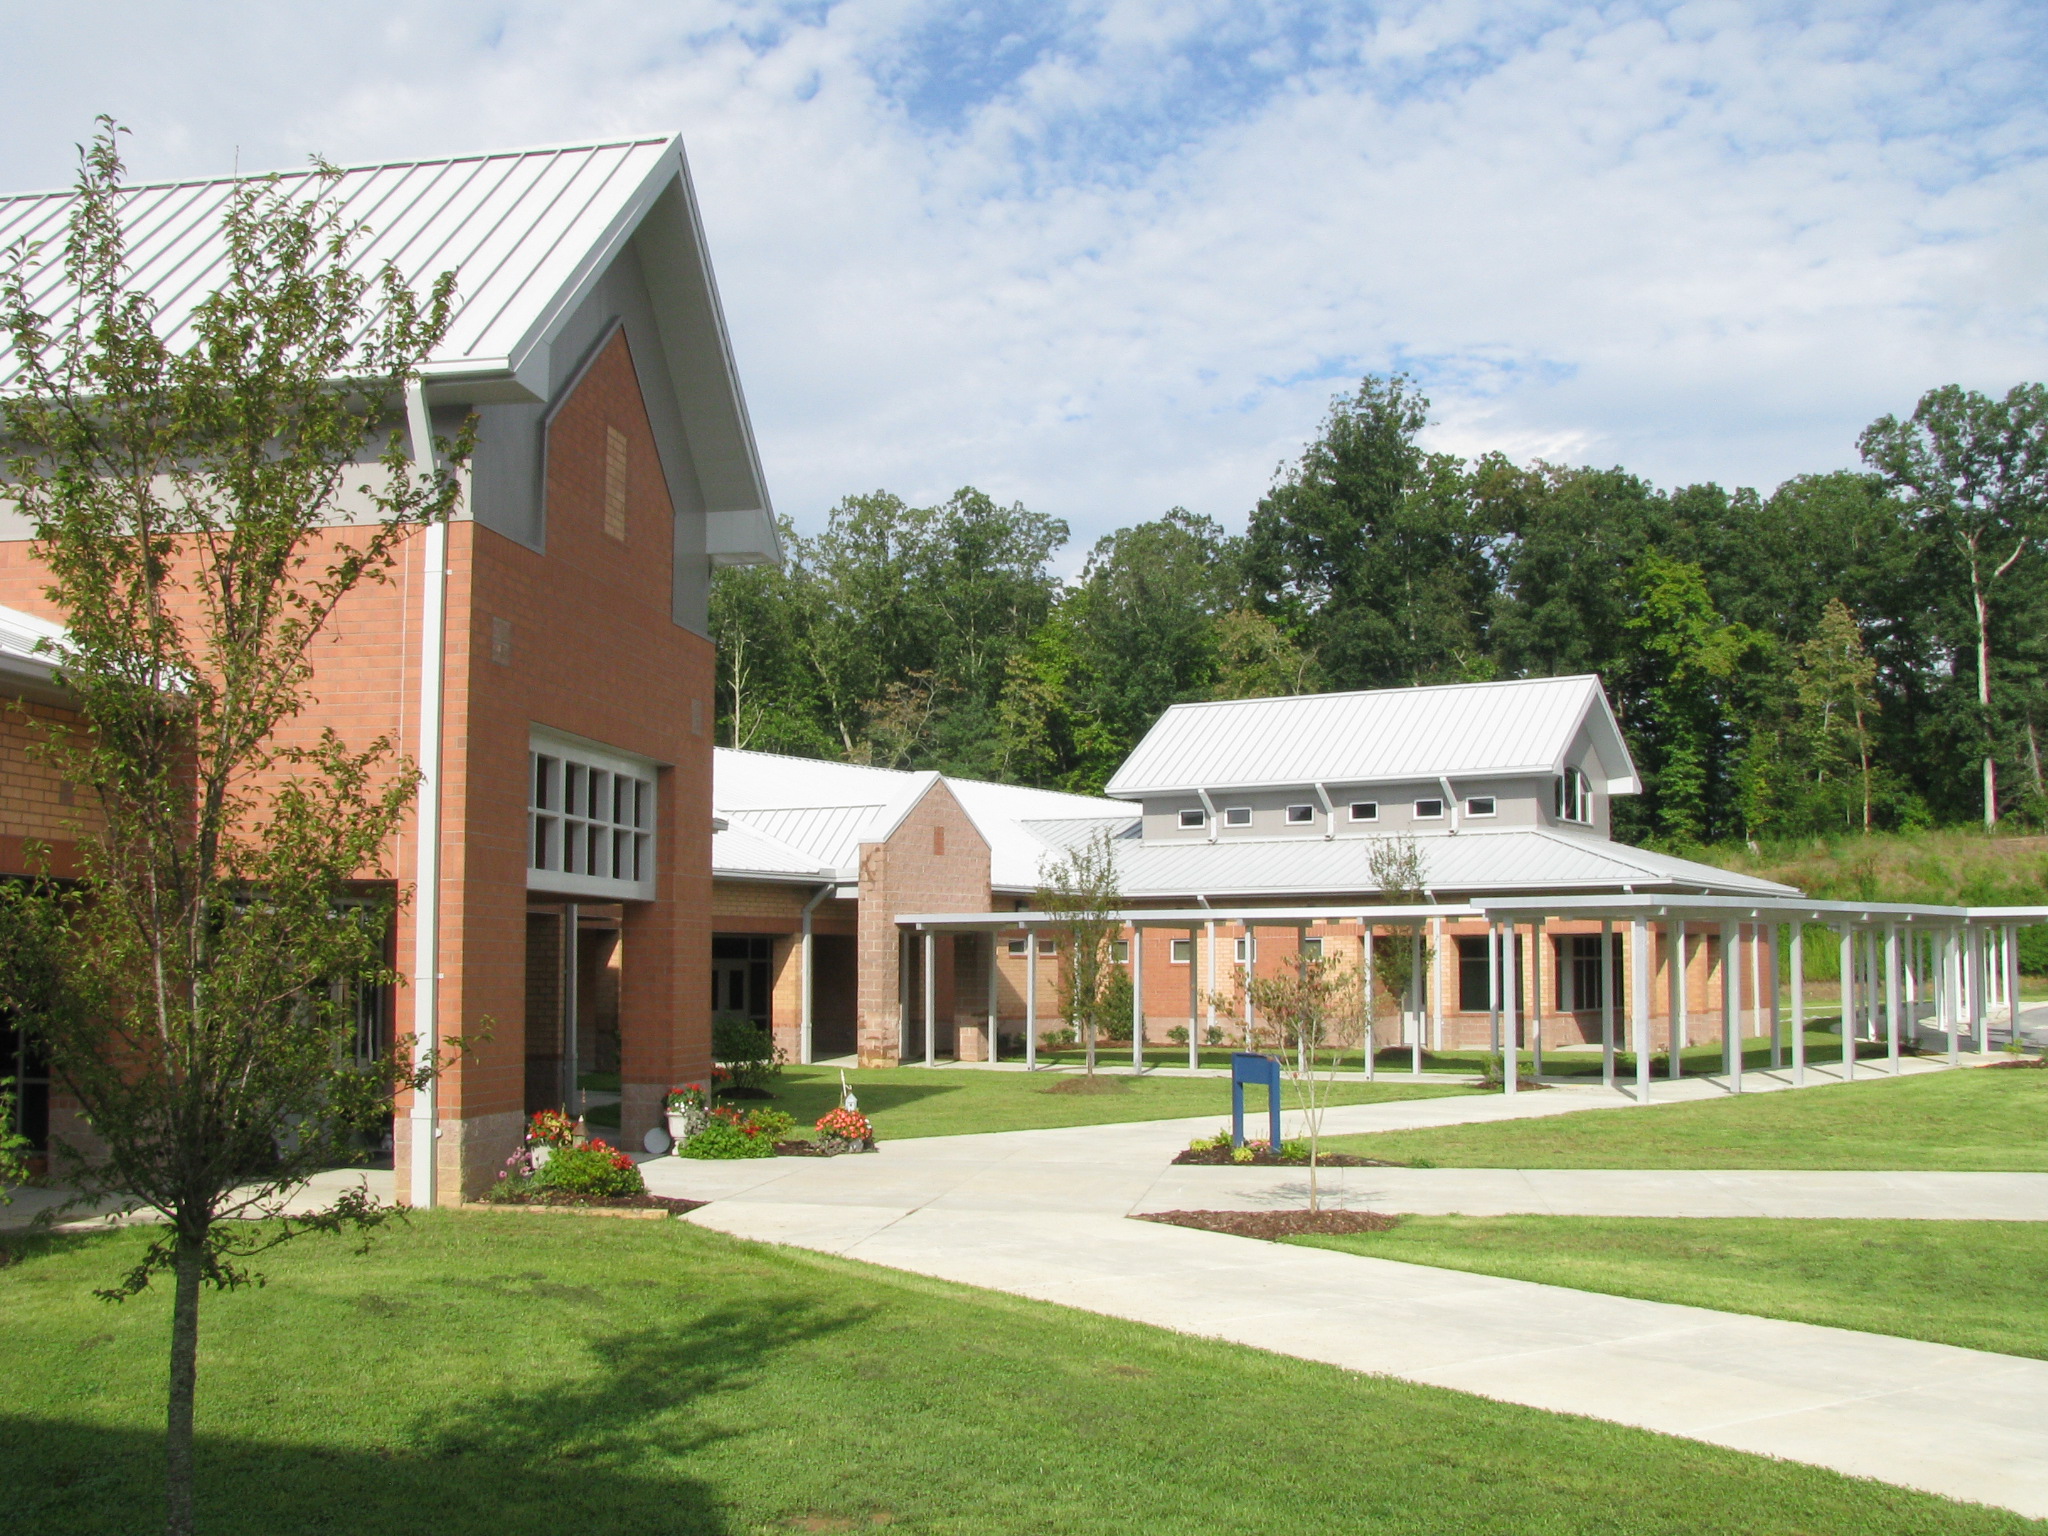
point(1891, 997)
point(1798, 1005)
point(2010, 947)
point(1674, 989)
point(1770, 936)
point(1951, 977)
point(1639, 1003)
point(1537, 971)
point(1436, 983)
point(1030, 999)
point(1980, 1016)
point(1209, 1003)
point(1194, 999)
point(931, 997)
point(1137, 998)
point(1420, 991)
point(1607, 1002)
point(995, 948)
point(1848, 1003)
point(1731, 1004)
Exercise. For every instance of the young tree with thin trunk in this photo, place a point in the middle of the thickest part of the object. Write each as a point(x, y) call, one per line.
point(184, 503)
point(1305, 1011)
point(1974, 472)
point(1394, 869)
point(1080, 886)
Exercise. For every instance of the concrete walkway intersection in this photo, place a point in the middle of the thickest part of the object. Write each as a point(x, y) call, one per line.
point(1045, 1214)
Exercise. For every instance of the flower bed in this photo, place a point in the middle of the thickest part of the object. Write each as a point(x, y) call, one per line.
point(1216, 1151)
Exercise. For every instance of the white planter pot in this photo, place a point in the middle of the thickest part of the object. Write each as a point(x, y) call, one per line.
point(678, 1128)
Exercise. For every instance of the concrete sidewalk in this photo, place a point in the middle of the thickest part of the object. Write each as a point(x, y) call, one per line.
point(1044, 1214)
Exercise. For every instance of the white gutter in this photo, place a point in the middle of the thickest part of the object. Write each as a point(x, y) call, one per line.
point(426, 941)
point(804, 1038)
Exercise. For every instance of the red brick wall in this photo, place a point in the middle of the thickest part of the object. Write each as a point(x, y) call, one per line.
point(594, 651)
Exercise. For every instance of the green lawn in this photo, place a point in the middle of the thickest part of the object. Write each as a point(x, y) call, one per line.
point(1953, 1282)
point(1974, 1120)
point(956, 1101)
point(498, 1375)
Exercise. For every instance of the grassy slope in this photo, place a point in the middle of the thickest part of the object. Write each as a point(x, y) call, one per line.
point(1954, 1282)
point(923, 1101)
point(1958, 865)
point(1987, 1120)
point(501, 1375)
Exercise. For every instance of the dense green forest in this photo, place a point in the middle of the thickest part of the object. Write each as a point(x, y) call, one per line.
point(1861, 649)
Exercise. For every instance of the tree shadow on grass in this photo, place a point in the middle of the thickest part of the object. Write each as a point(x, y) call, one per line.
point(644, 1398)
point(91, 1480)
point(604, 1454)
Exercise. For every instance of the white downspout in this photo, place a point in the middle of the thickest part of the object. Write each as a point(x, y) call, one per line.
point(804, 1038)
point(1208, 812)
point(426, 940)
point(1450, 802)
point(1329, 811)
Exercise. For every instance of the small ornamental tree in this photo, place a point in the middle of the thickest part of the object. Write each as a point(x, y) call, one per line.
point(200, 975)
point(1394, 866)
point(1080, 887)
point(1303, 1012)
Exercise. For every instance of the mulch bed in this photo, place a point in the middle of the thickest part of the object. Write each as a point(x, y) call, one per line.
point(2036, 1062)
point(1087, 1084)
point(1271, 1226)
point(816, 1149)
point(1224, 1157)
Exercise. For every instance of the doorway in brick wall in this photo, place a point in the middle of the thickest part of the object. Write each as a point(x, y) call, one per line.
point(572, 1009)
point(742, 975)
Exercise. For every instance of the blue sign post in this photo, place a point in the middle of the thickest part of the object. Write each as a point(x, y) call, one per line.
point(1249, 1067)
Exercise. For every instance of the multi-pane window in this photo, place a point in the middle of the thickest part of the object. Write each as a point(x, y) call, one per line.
point(590, 823)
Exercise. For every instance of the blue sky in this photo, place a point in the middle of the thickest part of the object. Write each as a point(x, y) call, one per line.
point(1109, 258)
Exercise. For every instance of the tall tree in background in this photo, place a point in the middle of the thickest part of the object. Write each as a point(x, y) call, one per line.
point(200, 1006)
point(1691, 662)
point(1836, 682)
point(1367, 549)
point(1973, 472)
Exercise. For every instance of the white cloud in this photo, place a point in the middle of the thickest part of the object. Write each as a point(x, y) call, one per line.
point(1117, 258)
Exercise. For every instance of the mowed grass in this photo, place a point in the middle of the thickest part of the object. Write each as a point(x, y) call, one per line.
point(958, 1101)
point(497, 1375)
point(1951, 1282)
point(1974, 1120)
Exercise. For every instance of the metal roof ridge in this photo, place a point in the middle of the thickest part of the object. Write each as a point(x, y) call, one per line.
point(629, 141)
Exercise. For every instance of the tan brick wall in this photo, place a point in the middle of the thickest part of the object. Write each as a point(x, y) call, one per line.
point(935, 861)
point(38, 806)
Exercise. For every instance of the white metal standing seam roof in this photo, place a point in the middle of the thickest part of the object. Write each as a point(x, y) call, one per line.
point(1538, 860)
point(746, 850)
point(828, 810)
point(22, 665)
point(527, 234)
point(1387, 735)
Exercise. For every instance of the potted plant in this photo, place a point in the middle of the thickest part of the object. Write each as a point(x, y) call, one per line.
point(688, 1109)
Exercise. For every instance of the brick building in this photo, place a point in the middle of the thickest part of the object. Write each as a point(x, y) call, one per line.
point(544, 658)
